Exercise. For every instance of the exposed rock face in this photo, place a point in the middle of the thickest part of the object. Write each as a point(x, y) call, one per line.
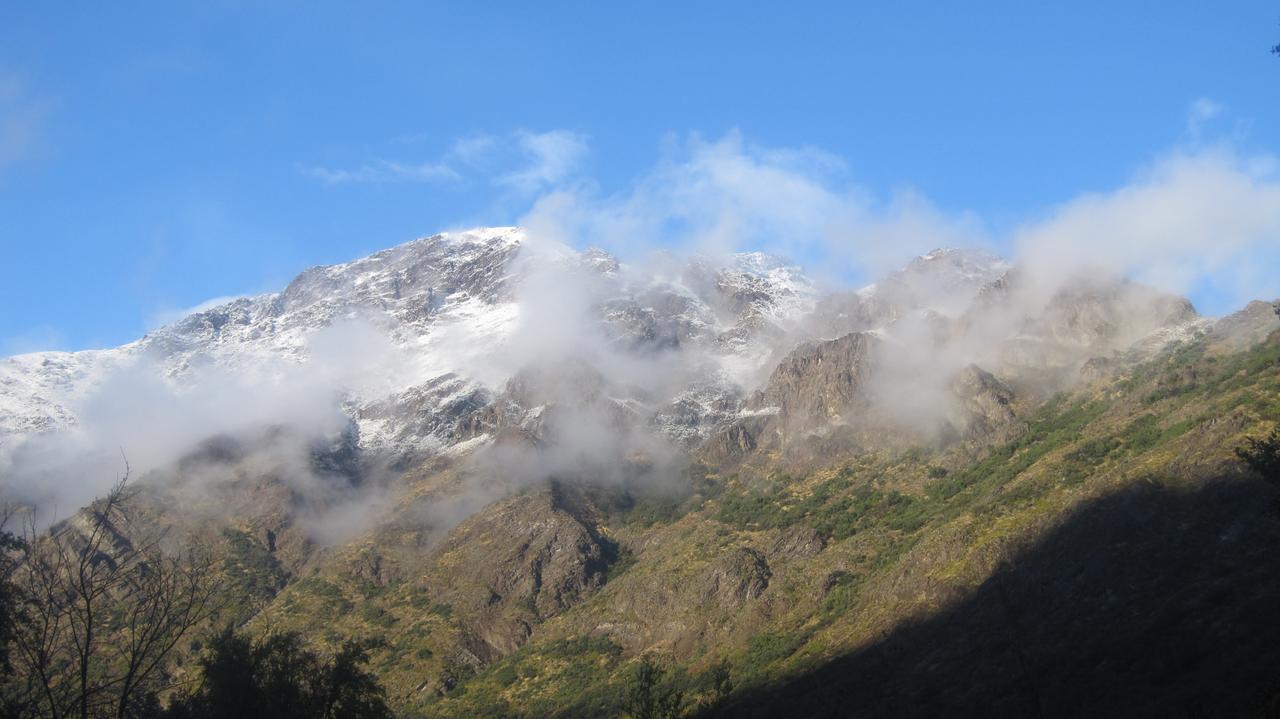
point(944, 280)
point(1112, 316)
point(696, 413)
point(1249, 326)
point(519, 562)
point(1090, 319)
point(738, 577)
point(735, 439)
point(984, 402)
point(371, 566)
point(821, 382)
point(1096, 368)
point(547, 401)
point(798, 542)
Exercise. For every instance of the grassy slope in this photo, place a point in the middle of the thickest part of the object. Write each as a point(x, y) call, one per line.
point(904, 541)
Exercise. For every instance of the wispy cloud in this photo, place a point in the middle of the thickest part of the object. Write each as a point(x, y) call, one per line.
point(523, 161)
point(1193, 219)
point(1203, 217)
point(550, 157)
point(1201, 113)
point(729, 195)
point(474, 149)
point(23, 116)
point(169, 316)
point(386, 171)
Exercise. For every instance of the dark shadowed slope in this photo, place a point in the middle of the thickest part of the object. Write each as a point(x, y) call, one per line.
point(1149, 602)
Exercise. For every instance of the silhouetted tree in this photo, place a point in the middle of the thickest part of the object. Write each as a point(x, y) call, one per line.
point(1263, 456)
point(721, 682)
point(11, 546)
point(277, 677)
point(651, 694)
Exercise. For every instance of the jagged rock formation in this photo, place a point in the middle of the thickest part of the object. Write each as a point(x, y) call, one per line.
point(1246, 327)
point(791, 441)
point(738, 577)
point(449, 309)
point(985, 403)
point(525, 560)
point(821, 382)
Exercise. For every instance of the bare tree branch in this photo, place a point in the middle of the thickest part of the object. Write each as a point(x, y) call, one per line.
point(104, 606)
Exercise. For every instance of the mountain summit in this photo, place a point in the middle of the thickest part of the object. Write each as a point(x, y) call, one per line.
point(415, 347)
point(526, 470)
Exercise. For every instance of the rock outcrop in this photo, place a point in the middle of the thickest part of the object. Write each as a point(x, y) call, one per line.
point(984, 403)
point(821, 382)
point(520, 562)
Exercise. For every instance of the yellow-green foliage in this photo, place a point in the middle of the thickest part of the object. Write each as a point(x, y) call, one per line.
point(905, 535)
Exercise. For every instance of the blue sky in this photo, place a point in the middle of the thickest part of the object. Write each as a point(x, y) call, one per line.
point(156, 155)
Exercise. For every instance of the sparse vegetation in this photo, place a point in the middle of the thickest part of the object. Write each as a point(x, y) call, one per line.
point(847, 555)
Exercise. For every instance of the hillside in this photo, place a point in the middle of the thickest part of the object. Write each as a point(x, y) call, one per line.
point(520, 471)
point(1111, 559)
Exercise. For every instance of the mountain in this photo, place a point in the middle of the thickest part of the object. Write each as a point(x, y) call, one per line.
point(442, 307)
point(521, 467)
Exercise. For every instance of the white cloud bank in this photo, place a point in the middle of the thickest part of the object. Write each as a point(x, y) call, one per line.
point(727, 195)
point(1207, 220)
point(1201, 220)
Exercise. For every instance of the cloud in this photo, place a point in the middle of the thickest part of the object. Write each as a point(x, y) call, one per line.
point(1193, 218)
point(164, 317)
point(474, 149)
point(717, 196)
point(1209, 218)
point(551, 157)
point(386, 171)
point(23, 117)
point(157, 418)
point(523, 161)
point(1202, 111)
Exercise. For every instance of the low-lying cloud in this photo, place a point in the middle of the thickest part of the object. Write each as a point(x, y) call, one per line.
point(719, 196)
point(1203, 220)
point(155, 418)
point(1198, 219)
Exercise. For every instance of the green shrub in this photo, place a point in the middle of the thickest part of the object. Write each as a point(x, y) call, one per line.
point(505, 675)
point(770, 648)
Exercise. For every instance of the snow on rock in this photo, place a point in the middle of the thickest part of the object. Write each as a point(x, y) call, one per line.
point(416, 338)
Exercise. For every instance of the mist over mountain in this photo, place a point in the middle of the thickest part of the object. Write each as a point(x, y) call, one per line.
point(489, 454)
point(476, 343)
point(827, 360)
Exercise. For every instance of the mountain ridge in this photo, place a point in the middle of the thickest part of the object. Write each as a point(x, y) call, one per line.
point(691, 461)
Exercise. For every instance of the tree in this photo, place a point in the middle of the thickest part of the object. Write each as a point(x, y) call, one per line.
point(718, 681)
point(1263, 456)
point(278, 677)
point(101, 608)
point(11, 546)
point(651, 694)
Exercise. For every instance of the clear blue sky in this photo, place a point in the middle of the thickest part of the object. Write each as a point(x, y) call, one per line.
point(155, 155)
